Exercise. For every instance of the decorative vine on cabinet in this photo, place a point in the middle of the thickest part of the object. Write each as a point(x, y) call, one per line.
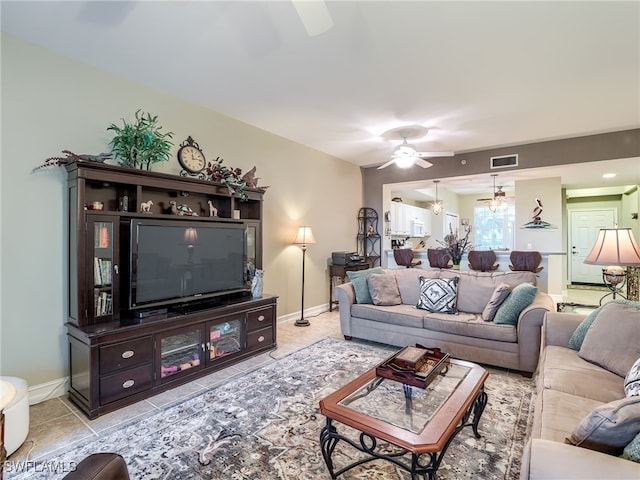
point(125, 346)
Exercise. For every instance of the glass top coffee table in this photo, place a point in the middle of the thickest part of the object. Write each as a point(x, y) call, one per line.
point(420, 422)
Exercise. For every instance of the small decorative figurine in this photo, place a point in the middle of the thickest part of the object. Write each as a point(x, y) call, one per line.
point(256, 284)
point(145, 207)
point(213, 211)
point(182, 209)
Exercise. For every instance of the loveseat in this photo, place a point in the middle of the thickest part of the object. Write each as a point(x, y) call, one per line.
point(585, 417)
point(469, 334)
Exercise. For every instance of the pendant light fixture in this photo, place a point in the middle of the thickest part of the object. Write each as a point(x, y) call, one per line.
point(494, 203)
point(436, 207)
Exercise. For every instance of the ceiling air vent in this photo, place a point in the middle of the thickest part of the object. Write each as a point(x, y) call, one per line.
point(504, 161)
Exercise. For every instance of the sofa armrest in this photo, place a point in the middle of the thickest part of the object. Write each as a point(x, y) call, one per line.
point(549, 460)
point(346, 297)
point(559, 326)
point(529, 330)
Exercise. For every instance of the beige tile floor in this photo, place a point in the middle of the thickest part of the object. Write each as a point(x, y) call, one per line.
point(56, 424)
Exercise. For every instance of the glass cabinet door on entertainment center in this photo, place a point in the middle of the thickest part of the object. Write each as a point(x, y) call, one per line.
point(224, 337)
point(179, 352)
point(102, 268)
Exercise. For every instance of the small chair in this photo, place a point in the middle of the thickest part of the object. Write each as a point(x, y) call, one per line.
point(438, 258)
point(100, 466)
point(527, 261)
point(482, 260)
point(404, 257)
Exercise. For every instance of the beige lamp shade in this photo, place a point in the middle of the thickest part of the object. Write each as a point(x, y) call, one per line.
point(615, 246)
point(304, 237)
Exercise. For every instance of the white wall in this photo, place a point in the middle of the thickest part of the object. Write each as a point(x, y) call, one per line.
point(51, 103)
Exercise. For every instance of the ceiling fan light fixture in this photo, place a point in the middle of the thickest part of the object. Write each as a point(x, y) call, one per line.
point(404, 161)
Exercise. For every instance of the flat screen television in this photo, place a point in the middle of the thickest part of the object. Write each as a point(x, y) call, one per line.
point(183, 261)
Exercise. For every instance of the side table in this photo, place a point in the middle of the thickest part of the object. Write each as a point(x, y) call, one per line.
point(340, 271)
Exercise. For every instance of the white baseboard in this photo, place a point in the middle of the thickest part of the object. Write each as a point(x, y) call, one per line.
point(308, 312)
point(45, 391)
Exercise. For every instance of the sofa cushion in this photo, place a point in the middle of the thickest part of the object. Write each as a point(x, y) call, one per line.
point(557, 414)
point(609, 427)
point(520, 298)
point(438, 294)
point(498, 296)
point(383, 289)
point(409, 282)
point(405, 315)
point(575, 342)
point(359, 280)
point(613, 340)
point(632, 450)
point(561, 369)
point(470, 325)
point(632, 380)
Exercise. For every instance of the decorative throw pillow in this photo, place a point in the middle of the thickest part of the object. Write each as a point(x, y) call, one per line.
point(575, 342)
point(498, 296)
point(438, 295)
point(632, 450)
point(632, 380)
point(613, 340)
point(610, 427)
point(520, 298)
point(384, 289)
point(359, 280)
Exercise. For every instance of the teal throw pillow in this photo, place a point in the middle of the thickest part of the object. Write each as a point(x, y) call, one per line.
point(575, 342)
point(360, 287)
point(632, 451)
point(519, 299)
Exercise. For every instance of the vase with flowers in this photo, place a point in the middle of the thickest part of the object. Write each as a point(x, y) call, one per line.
point(455, 245)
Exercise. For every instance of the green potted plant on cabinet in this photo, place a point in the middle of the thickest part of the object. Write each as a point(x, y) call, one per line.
point(139, 144)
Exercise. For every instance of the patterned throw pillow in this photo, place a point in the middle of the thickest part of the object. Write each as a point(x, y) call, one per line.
point(359, 280)
point(520, 298)
point(632, 451)
point(438, 295)
point(632, 380)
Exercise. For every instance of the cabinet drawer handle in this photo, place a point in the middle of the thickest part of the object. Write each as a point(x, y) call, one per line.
point(128, 384)
point(261, 318)
point(260, 338)
point(128, 354)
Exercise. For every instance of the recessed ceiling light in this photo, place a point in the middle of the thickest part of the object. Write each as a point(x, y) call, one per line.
point(608, 175)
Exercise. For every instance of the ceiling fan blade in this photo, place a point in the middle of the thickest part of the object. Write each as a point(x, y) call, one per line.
point(314, 15)
point(423, 163)
point(385, 165)
point(434, 154)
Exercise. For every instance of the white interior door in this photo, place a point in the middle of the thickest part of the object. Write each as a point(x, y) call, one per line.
point(585, 225)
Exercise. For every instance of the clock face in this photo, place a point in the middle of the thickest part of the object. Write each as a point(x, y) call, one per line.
point(191, 158)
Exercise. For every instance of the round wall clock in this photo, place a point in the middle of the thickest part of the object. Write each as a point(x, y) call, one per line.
point(190, 157)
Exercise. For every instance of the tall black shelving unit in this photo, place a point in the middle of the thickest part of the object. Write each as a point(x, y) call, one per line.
point(368, 237)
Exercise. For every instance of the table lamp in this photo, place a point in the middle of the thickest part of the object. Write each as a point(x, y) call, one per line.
point(303, 238)
point(616, 248)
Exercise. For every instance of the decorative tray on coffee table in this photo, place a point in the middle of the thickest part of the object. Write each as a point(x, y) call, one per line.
point(416, 366)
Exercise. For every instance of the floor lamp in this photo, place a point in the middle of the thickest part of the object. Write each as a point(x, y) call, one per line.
point(303, 238)
point(616, 248)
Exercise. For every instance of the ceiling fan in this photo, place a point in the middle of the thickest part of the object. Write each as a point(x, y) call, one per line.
point(499, 197)
point(405, 155)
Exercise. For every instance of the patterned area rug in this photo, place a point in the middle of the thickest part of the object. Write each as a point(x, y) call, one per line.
point(265, 425)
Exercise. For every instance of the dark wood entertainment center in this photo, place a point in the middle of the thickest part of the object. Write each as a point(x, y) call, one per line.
point(119, 355)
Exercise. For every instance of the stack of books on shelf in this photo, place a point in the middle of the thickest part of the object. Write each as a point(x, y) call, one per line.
point(101, 271)
point(103, 303)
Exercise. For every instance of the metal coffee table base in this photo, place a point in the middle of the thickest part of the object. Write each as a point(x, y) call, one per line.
point(423, 465)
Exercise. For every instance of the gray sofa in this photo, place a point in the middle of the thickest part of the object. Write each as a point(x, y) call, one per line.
point(569, 388)
point(464, 335)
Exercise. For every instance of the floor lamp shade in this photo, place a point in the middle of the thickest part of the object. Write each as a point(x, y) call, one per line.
point(304, 237)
